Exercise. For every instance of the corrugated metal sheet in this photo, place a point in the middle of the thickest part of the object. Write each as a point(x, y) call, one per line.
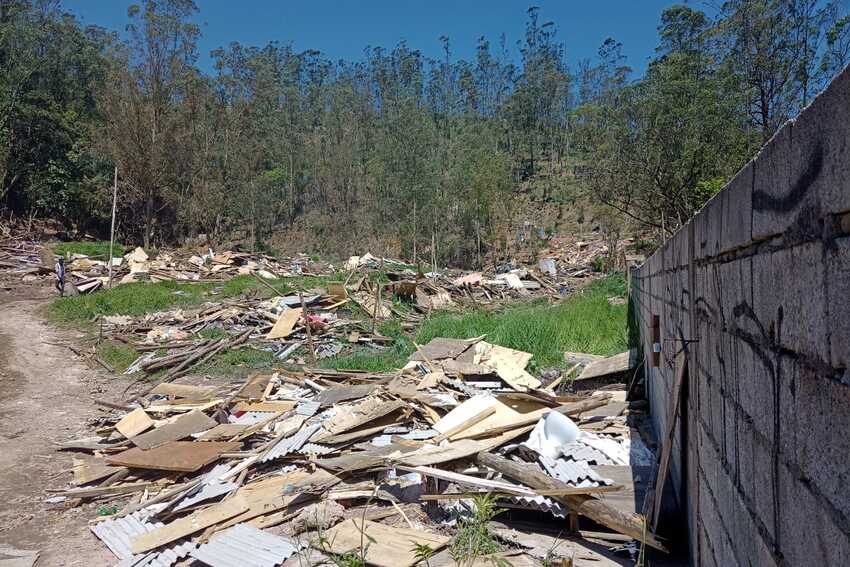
point(250, 417)
point(207, 492)
point(164, 558)
point(117, 533)
point(578, 451)
point(617, 453)
point(540, 503)
point(307, 409)
point(315, 449)
point(245, 546)
point(293, 443)
point(574, 473)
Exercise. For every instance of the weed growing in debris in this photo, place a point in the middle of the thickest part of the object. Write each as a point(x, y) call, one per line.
point(423, 553)
point(95, 249)
point(473, 539)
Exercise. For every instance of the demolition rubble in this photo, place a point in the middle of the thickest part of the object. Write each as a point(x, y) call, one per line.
point(312, 463)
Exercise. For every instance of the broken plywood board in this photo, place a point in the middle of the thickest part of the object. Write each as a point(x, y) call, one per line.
point(255, 388)
point(182, 427)
point(134, 423)
point(508, 364)
point(388, 546)
point(339, 394)
point(183, 456)
point(90, 470)
point(188, 525)
point(366, 300)
point(441, 348)
point(12, 557)
point(359, 414)
point(285, 323)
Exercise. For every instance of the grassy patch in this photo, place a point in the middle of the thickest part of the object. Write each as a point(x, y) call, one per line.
point(127, 299)
point(584, 322)
point(248, 358)
point(94, 249)
point(117, 355)
point(141, 298)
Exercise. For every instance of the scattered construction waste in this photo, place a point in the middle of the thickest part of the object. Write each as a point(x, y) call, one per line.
point(307, 465)
point(386, 467)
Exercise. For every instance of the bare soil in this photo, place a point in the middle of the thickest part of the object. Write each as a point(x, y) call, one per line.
point(46, 396)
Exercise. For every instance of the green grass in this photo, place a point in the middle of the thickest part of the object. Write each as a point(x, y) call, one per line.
point(141, 298)
point(128, 299)
point(95, 249)
point(226, 362)
point(584, 322)
point(117, 355)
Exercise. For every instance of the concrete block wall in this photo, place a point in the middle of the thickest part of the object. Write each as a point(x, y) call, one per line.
point(760, 278)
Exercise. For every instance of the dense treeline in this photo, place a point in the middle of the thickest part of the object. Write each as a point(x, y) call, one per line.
point(420, 154)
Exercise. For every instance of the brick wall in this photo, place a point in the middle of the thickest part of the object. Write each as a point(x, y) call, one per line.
point(761, 277)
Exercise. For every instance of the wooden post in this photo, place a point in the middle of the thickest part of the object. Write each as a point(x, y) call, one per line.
point(414, 234)
point(112, 229)
point(307, 326)
point(656, 341)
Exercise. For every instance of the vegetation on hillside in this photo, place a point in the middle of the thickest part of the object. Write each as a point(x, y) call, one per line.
point(421, 155)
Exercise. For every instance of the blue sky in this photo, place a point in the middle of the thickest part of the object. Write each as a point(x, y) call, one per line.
point(341, 29)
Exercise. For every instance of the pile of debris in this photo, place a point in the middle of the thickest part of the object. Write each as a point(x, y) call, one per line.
point(322, 322)
point(21, 254)
point(90, 274)
point(387, 467)
point(572, 257)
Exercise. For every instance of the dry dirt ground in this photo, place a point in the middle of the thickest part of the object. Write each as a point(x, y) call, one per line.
point(45, 397)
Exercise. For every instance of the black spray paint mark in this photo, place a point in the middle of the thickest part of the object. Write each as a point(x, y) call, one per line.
point(763, 201)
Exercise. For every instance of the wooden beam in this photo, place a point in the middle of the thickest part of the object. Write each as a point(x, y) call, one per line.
point(632, 525)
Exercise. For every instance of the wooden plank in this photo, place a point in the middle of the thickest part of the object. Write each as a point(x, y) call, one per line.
point(105, 490)
point(184, 391)
point(389, 546)
point(183, 456)
point(273, 406)
point(461, 427)
point(134, 423)
point(607, 366)
point(223, 431)
point(182, 427)
point(501, 415)
point(285, 324)
point(667, 441)
point(187, 526)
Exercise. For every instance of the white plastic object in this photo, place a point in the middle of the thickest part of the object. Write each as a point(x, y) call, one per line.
point(552, 432)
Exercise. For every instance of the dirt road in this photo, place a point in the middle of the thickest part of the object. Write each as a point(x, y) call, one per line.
point(45, 397)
